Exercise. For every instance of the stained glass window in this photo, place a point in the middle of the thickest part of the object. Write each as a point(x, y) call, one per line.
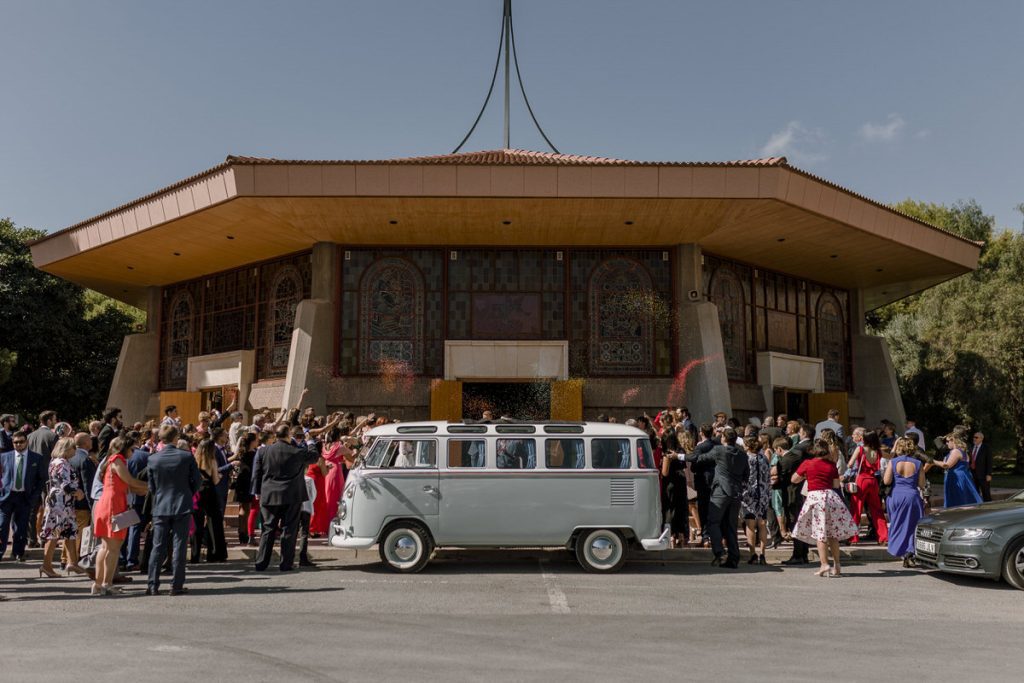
point(179, 340)
point(621, 312)
point(726, 291)
point(391, 327)
point(286, 293)
point(832, 341)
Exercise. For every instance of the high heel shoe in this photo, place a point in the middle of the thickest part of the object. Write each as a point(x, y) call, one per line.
point(753, 558)
point(823, 572)
point(47, 571)
point(762, 561)
point(74, 569)
point(96, 589)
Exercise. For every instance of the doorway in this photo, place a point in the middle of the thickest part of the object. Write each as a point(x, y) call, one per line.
point(792, 402)
point(218, 398)
point(519, 400)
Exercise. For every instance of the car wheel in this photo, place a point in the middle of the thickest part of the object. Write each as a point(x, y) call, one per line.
point(1013, 565)
point(601, 551)
point(405, 547)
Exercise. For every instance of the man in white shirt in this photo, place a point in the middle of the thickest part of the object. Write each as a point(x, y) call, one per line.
point(914, 433)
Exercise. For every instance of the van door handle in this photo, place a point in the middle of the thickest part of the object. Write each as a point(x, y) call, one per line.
point(429, 489)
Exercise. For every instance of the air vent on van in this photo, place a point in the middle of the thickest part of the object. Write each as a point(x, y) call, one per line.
point(623, 492)
point(428, 429)
point(515, 429)
point(563, 429)
point(467, 429)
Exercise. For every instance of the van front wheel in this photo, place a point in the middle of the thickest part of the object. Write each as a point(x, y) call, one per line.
point(405, 547)
point(600, 551)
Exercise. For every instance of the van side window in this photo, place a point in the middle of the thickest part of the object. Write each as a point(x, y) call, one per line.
point(467, 453)
point(378, 454)
point(516, 454)
point(407, 454)
point(565, 454)
point(644, 455)
point(609, 454)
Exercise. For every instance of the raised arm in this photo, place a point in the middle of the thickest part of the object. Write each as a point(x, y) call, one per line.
point(302, 397)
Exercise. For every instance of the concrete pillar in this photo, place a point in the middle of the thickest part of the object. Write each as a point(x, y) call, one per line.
point(705, 388)
point(874, 376)
point(136, 379)
point(311, 359)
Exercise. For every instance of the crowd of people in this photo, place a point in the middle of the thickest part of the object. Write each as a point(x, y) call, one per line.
point(809, 484)
point(151, 497)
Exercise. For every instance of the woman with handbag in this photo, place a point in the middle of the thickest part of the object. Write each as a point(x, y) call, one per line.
point(59, 514)
point(111, 514)
point(206, 514)
point(868, 461)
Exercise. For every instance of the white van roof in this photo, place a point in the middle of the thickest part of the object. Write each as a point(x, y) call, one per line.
point(507, 427)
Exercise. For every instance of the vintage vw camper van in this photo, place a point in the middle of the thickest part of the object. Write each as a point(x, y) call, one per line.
point(591, 487)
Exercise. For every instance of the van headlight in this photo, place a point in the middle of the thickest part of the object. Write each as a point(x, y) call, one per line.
point(343, 509)
point(969, 534)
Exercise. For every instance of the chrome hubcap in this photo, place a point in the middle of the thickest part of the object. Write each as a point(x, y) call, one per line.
point(1020, 562)
point(602, 549)
point(404, 548)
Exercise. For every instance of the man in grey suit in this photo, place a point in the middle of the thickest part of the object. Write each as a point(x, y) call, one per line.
point(173, 480)
point(282, 491)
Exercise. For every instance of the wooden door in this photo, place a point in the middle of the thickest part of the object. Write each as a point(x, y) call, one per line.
point(446, 400)
point(821, 403)
point(567, 400)
point(189, 404)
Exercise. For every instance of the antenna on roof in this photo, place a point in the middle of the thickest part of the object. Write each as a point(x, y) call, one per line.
point(506, 44)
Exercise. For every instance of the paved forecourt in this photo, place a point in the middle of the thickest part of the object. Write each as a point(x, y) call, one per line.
point(522, 615)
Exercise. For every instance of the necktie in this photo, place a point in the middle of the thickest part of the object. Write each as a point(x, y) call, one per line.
point(974, 456)
point(19, 472)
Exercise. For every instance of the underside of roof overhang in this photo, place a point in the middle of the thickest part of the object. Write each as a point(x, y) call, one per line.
point(761, 212)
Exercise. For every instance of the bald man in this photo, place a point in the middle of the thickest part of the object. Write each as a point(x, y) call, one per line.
point(84, 463)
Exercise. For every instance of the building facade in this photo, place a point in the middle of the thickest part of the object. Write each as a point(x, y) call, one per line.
point(539, 285)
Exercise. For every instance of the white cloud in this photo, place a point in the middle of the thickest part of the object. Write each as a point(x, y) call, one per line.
point(797, 143)
point(883, 132)
point(922, 134)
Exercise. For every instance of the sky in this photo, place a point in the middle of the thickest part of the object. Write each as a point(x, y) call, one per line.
point(105, 101)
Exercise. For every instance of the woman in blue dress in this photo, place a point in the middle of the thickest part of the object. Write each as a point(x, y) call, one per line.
point(959, 484)
point(905, 473)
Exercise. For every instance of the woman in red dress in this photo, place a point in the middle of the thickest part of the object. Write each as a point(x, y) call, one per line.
point(868, 460)
point(117, 481)
point(337, 455)
point(320, 521)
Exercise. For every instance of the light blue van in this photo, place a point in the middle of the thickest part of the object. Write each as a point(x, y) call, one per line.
point(588, 486)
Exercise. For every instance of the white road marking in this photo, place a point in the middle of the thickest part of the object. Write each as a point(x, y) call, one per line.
point(167, 648)
point(559, 603)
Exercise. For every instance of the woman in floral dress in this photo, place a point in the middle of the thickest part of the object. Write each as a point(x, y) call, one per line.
point(59, 515)
point(757, 498)
point(824, 518)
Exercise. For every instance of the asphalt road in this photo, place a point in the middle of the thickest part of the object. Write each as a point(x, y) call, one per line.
point(516, 619)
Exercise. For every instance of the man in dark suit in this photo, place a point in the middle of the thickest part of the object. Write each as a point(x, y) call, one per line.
point(981, 466)
point(41, 441)
point(703, 478)
point(7, 424)
point(138, 466)
point(794, 498)
point(282, 491)
point(23, 479)
point(84, 466)
point(111, 427)
point(173, 480)
point(731, 469)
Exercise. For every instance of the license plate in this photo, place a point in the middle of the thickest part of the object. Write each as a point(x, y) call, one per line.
point(925, 546)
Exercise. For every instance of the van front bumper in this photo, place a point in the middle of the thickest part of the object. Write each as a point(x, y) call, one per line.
point(340, 538)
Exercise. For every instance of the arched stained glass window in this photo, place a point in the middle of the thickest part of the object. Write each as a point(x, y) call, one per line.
point(622, 306)
point(726, 291)
point(179, 339)
point(391, 297)
point(831, 341)
point(285, 295)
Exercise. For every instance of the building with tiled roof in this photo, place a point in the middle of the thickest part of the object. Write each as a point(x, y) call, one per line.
point(536, 284)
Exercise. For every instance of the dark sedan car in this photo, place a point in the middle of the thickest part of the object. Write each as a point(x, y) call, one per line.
point(976, 540)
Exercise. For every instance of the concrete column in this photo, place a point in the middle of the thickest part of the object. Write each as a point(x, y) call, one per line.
point(874, 381)
point(136, 379)
point(705, 389)
point(311, 360)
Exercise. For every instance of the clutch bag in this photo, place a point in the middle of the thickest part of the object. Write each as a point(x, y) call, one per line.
point(124, 520)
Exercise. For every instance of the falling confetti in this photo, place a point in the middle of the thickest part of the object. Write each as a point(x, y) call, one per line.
point(630, 395)
point(396, 375)
point(677, 391)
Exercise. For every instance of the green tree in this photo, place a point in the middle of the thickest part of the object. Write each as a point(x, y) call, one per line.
point(62, 341)
point(958, 348)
